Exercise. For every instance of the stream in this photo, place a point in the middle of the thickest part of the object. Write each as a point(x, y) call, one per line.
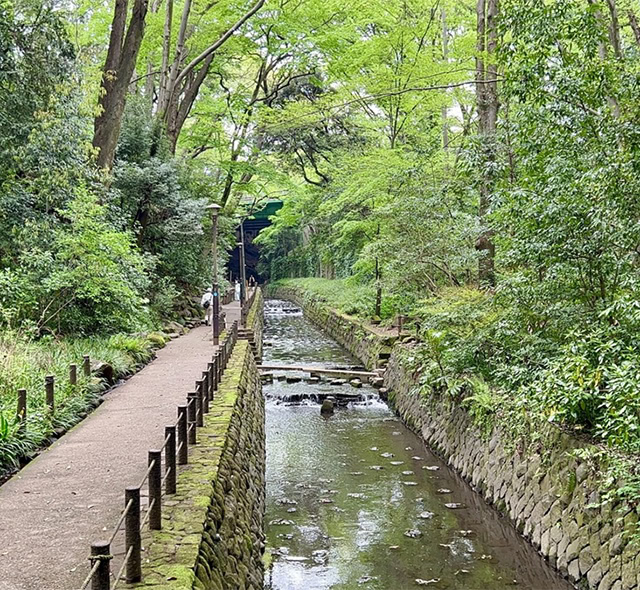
point(356, 501)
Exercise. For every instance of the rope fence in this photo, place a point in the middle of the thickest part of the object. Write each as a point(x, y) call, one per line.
point(175, 448)
point(50, 391)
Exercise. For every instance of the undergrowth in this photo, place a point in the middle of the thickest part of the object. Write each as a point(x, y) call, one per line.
point(24, 363)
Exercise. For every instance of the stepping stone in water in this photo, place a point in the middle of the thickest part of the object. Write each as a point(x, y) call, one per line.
point(443, 491)
point(454, 505)
point(425, 515)
point(410, 483)
point(320, 556)
point(292, 510)
point(373, 449)
point(356, 473)
point(386, 455)
point(356, 495)
point(376, 467)
point(396, 462)
point(281, 522)
point(413, 534)
point(431, 467)
point(408, 473)
point(326, 501)
point(422, 582)
point(408, 448)
point(416, 458)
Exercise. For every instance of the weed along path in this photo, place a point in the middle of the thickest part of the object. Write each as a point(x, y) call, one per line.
point(72, 494)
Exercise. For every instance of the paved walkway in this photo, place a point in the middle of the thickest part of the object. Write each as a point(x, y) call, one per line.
point(72, 494)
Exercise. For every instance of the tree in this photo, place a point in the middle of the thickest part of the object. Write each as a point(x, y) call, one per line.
point(181, 80)
point(119, 66)
point(487, 107)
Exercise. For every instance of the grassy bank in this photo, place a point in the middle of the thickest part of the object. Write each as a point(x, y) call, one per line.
point(24, 364)
point(482, 351)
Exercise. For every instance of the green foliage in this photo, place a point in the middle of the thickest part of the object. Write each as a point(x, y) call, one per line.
point(345, 296)
point(24, 364)
point(81, 275)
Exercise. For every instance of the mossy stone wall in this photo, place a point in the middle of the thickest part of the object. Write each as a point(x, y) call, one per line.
point(212, 529)
point(255, 320)
point(368, 346)
point(552, 497)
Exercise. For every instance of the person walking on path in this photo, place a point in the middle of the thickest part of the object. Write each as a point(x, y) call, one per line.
point(206, 301)
point(237, 291)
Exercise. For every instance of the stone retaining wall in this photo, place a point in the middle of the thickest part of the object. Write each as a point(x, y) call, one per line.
point(549, 495)
point(369, 347)
point(212, 530)
point(255, 320)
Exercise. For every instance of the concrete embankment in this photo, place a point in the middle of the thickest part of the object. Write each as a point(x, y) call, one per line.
point(552, 496)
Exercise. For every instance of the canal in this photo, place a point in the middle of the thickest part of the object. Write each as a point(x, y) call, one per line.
point(356, 501)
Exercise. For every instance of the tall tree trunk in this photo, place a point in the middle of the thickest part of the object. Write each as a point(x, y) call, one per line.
point(614, 38)
point(633, 21)
point(184, 80)
point(445, 57)
point(118, 70)
point(166, 48)
point(488, 106)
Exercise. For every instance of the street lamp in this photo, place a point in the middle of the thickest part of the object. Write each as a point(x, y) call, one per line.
point(215, 290)
point(243, 272)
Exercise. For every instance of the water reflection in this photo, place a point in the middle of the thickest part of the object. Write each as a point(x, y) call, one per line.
point(356, 501)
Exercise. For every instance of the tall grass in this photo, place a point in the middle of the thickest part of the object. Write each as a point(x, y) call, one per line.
point(24, 364)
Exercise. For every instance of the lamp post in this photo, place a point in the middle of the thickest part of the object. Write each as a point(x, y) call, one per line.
point(215, 290)
point(243, 275)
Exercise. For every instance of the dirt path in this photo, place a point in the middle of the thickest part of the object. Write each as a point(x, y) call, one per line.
point(72, 494)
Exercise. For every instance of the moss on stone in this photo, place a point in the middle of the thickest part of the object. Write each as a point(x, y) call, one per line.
point(214, 500)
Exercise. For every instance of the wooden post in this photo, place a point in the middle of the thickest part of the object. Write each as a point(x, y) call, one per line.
point(101, 551)
point(170, 467)
point(73, 374)
point(155, 490)
point(192, 409)
point(183, 442)
point(200, 404)
point(21, 413)
point(133, 538)
point(49, 386)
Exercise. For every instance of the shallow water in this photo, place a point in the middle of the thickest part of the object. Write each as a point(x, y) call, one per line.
point(355, 501)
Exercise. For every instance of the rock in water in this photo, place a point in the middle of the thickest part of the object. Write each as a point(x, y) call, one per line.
point(327, 407)
point(355, 383)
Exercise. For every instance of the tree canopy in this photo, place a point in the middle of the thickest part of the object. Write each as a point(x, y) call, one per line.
point(418, 147)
